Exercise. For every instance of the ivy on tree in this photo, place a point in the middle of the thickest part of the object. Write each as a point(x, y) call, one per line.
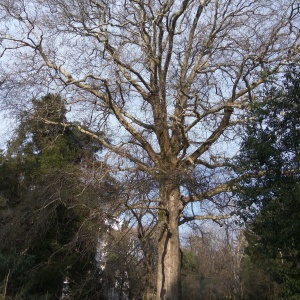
point(46, 204)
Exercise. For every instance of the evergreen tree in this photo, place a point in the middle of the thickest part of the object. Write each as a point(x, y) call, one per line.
point(49, 205)
point(270, 199)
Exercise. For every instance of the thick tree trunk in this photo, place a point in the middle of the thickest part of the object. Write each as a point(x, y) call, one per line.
point(168, 277)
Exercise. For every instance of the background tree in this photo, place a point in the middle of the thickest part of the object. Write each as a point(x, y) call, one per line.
point(125, 264)
point(215, 266)
point(51, 205)
point(271, 201)
point(166, 82)
point(209, 264)
point(208, 267)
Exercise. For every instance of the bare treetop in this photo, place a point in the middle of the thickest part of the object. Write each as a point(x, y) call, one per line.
point(167, 80)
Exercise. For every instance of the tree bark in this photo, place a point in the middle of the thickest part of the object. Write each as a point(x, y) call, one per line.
point(168, 273)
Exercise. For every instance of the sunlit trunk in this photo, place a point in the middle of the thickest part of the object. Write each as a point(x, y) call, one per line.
point(168, 277)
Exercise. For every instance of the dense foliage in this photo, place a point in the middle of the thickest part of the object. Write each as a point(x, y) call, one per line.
point(270, 198)
point(50, 206)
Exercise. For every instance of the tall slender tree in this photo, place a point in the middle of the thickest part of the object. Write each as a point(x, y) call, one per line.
point(166, 80)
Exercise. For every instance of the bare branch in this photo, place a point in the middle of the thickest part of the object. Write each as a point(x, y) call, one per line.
point(185, 219)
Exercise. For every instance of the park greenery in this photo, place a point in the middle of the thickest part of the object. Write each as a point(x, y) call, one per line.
point(156, 149)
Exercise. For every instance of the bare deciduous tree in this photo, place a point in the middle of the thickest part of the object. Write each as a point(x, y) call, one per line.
point(166, 80)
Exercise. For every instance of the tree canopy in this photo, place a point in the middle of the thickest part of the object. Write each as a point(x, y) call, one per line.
point(167, 83)
point(51, 208)
point(271, 200)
